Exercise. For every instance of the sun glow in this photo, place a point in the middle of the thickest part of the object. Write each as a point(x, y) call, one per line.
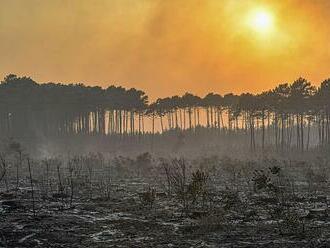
point(261, 21)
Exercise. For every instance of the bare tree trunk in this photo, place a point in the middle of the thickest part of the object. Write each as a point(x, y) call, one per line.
point(153, 132)
point(298, 131)
point(282, 132)
point(207, 117)
point(302, 132)
point(161, 123)
point(308, 133)
point(176, 119)
point(263, 129)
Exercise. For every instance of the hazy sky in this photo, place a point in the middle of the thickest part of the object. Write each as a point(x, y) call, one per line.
point(165, 47)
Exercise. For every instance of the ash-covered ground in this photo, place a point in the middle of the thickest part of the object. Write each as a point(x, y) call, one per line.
point(91, 201)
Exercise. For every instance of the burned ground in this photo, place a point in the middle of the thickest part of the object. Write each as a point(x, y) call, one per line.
point(90, 201)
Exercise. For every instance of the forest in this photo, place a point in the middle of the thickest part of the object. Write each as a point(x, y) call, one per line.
point(290, 116)
point(84, 166)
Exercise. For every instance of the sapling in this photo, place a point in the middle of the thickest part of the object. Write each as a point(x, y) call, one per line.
point(3, 175)
point(71, 168)
point(47, 162)
point(32, 189)
point(18, 150)
point(167, 169)
point(179, 181)
point(149, 197)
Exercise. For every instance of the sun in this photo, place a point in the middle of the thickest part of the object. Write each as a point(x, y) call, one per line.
point(261, 21)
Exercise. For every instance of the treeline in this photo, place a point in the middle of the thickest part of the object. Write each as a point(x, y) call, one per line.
point(57, 109)
point(290, 115)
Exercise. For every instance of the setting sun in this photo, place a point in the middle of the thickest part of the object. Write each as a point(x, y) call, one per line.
point(261, 21)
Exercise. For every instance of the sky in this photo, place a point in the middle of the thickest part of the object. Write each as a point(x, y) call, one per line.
point(166, 47)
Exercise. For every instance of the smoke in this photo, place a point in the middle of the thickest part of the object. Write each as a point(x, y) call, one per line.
point(163, 47)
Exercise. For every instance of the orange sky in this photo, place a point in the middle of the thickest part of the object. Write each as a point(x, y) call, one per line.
point(165, 47)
